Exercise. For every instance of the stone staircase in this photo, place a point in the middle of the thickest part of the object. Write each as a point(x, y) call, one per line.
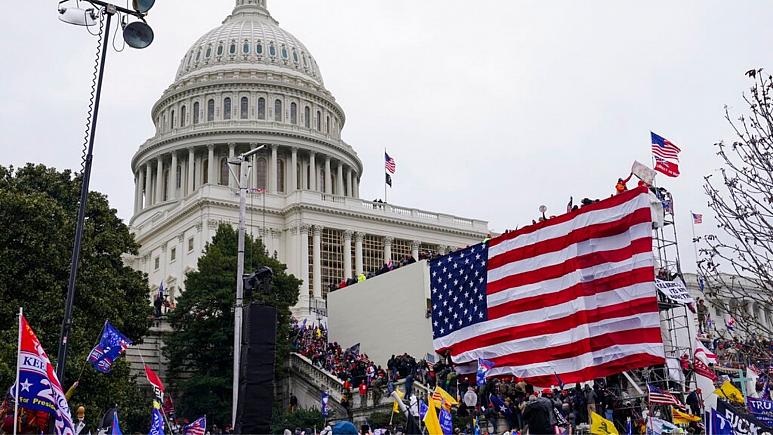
point(149, 352)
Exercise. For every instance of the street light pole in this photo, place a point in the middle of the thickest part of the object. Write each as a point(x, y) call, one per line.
point(243, 180)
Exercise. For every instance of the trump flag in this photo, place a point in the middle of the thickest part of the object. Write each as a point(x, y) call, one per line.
point(37, 385)
point(110, 347)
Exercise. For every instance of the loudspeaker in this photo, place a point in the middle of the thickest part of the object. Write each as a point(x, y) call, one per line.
point(256, 379)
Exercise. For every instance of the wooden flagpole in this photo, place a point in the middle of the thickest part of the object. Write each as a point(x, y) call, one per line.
point(18, 374)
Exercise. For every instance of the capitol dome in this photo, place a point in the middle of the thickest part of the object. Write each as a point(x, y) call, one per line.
point(249, 37)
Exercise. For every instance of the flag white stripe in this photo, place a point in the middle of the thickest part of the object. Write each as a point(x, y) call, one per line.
point(578, 333)
point(616, 296)
point(583, 361)
point(584, 247)
point(581, 220)
point(580, 275)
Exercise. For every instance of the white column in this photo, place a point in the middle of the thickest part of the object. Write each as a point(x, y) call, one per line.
point(159, 180)
point(294, 170)
point(415, 249)
point(191, 171)
point(254, 163)
point(137, 191)
point(388, 248)
point(232, 182)
point(328, 176)
point(317, 262)
point(304, 261)
point(211, 164)
point(348, 253)
point(358, 252)
point(349, 185)
point(148, 186)
point(356, 186)
point(340, 179)
point(313, 171)
point(272, 170)
point(172, 195)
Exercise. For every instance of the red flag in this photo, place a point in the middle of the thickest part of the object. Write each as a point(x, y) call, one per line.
point(155, 381)
point(702, 369)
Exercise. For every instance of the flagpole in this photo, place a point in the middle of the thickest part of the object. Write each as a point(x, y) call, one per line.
point(18, 374)
point(161, 410)
point(99, 338)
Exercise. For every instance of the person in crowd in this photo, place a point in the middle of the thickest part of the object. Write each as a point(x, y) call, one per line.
point(536, 415)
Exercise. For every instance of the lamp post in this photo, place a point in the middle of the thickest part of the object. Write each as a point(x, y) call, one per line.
point(138, 35)
point(243, 180)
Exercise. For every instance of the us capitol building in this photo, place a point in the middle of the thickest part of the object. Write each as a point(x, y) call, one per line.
point(244, 84)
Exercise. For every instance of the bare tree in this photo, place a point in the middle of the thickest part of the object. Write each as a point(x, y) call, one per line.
point(738, 265)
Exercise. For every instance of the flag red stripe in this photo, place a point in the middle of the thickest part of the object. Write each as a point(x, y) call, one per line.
point(599, 371)
point(581, 262)
point(552, 326)
point(607, 203)
point(596, 231)
point(577, 348)
point(588, 288)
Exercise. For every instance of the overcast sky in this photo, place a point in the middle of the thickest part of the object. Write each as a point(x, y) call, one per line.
point(491, 108)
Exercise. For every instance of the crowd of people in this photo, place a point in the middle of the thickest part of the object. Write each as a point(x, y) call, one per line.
point(385, 268)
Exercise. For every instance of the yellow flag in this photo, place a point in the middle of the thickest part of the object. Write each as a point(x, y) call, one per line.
point(680, 417)
point(441, 397)
point(601, 426)
point(319, 332)
point(430, 418)
point(396, 406)
point(730, 392)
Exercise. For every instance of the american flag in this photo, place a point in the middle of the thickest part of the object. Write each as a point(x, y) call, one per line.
point(573, 296)
point(666, 155)
point(660, 397)
point(697, 218)
point(198, 427)
point(390, 164)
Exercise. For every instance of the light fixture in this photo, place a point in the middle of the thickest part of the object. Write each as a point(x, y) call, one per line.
point(78, 16)
point(142, 6)
point(138, 34)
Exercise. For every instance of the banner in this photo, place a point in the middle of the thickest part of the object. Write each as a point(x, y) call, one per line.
point(741, 421)
point(762, 410)
point(643, 172)
point(675, 291)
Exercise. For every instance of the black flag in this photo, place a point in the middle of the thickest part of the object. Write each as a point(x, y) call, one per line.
point(388, 180)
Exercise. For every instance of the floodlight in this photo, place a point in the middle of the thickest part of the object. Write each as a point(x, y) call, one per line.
point(142, 6)
point(138, 35)
point(78, 16)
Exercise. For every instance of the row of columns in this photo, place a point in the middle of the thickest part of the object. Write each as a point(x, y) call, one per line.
point(348, 236)
point(149, 177)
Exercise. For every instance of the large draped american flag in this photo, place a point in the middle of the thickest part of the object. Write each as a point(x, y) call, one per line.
point(566, 300)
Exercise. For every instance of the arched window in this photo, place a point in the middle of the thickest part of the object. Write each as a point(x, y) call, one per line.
point(211, 110)
point(261, 108)
point(223, 171)
point(261, 172)
point(232, 48)
point(179, 181)
point(198, 55)
point(183, 111)
point(271, 49)
point(259, 48)
point(205, 171)
point(220, 50)
point(278, 110)
point(307, 117)
point(293, 113)
point(319, 121)
point(327, 125)
point(246, 47)
point(284, 52)
point(171, 119)
point(245, 108)
point(295, 56)
point(308, 177)
point(209, 52)
point(305, 63)
point(227, 108)
point(196, 112)
point(280, 176)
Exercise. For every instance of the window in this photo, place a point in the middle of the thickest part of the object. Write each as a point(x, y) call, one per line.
point(196, 112)
point(293, 113)
point(173, 254)
point(320, 179)
point(261, 108)
point(232, 48)
point(307, 117)
point(298, 175)
point(211, 110)
point(198, 55)
point(245, 108)
point(179, 181)
point(295, 56)
point(227, 108)
point(305, 63)
point(204, 171)
point(280, 176)
point(284, 52)
point(165, 184)
point(319, 121)
point(278, 110)
point(261, 172)
point(259, 48)
point(220, 50)
point(246, 47)
point(224, 171)
point(190, 244)
point(156, 263)
point(183, 111)
point(272, 50)
point(372, 253)
point(171, 119)
point(327, 125)
point(401, 249)
point(209, 52)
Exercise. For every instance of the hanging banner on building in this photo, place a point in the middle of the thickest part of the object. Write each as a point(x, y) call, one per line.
point(675, 291)
point(762, 409)
point(741, 421)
